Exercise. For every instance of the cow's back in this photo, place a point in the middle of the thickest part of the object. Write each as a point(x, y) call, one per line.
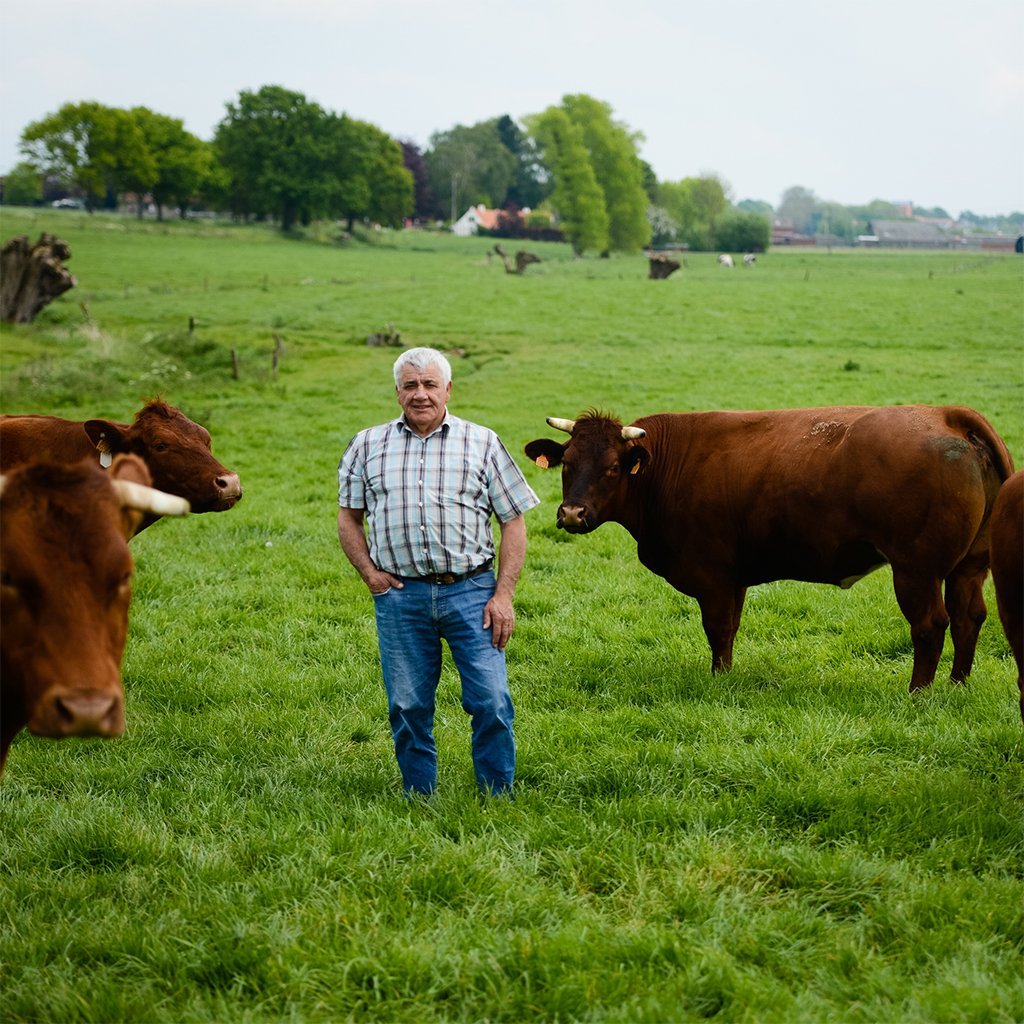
point(817, 494)
point(31, 438)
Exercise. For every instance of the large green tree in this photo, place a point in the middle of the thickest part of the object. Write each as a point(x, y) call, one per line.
point(98, 149)
point(370, 179)
point(531, 185)
point(695, 205)
point(276, 146)
point(577, 197)
point(469, 165)
point(23, 185)
point(797, 208)
point(739, 231)
point(618, 169)
point(182, 160)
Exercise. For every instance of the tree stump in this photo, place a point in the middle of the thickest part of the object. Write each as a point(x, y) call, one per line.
point(32, 277)
point(661, 266)
point(523, 260)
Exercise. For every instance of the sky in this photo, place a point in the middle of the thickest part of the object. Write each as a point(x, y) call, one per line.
point(919, 100)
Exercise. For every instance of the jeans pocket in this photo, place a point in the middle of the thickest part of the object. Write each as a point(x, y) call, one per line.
point(383, 593)
point(482, 581)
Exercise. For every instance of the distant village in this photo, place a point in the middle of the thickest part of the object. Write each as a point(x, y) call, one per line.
point(911, 231)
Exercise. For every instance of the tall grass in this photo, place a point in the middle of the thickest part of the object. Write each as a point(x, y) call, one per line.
point(800, 839)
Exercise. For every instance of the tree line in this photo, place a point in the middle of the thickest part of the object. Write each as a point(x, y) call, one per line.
point(571, 171)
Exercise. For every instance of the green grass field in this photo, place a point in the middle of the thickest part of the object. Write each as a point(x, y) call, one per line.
point(798, 840)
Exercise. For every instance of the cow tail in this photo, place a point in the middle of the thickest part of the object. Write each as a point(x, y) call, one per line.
point(983, 437)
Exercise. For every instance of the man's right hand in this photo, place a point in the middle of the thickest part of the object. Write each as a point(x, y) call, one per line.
point(379, 582)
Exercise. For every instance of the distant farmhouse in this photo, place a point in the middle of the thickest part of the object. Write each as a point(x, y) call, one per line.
point(475, 218)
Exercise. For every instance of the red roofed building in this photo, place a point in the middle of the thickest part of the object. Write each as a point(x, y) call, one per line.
point(474, 218)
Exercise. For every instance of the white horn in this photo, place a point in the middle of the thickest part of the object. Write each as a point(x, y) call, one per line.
point(567, 425)
point(633, 433)
point(149, 499)
point(3, 483)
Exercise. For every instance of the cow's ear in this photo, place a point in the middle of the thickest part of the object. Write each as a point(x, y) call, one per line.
point(545, 452)
point(635, 459)
point(108, 437)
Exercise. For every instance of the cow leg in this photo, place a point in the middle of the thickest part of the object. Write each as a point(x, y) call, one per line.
point(965, 604)
point(920, 600)
point(720, 613)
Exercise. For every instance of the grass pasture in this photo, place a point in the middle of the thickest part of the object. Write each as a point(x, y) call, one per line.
point(799, 840)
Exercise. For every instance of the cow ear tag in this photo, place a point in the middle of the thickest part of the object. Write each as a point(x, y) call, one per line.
point(542, 461)
point(634, 469)
point(105, 456)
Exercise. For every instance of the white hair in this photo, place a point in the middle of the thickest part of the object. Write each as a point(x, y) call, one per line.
point(420, 359)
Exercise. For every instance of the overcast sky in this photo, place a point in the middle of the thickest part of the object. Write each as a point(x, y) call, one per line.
point(918, 100)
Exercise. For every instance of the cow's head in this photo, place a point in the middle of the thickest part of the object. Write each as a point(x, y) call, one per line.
point(177, 452)
point(597, 461)
point(65, 588)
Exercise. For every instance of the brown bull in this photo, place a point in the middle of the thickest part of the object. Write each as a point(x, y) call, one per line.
point(720, 501)
point(1008, 568)
point(176, 450)
point(65, 587)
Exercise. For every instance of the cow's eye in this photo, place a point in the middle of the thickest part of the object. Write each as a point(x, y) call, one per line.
point(160, 447)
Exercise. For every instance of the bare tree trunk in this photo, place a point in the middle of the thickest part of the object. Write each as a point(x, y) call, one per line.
point(523, 259)
point(32, 277)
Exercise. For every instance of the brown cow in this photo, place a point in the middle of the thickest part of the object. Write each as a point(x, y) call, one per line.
point(721, 501)
point(176, 450)
point(1008, 568)
point(65, 586)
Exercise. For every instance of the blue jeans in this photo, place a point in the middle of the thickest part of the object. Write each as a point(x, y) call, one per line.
point(411, 624)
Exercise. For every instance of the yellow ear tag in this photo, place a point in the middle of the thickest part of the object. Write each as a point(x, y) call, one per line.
point(635, 469)
point(542, 461)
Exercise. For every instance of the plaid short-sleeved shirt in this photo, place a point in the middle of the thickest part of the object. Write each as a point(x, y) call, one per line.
point(429, 499)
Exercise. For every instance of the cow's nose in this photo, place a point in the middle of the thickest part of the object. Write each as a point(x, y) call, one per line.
point(571, 516)
point(229, 485)
point(87, 714)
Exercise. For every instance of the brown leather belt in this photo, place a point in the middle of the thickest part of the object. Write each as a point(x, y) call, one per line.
point(445, 578)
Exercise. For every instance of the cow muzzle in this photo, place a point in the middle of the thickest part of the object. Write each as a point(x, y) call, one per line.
point(64, 712)
point(229, 491)
point(573, 519)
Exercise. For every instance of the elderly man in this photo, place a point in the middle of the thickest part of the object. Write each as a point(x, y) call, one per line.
point(428, 483)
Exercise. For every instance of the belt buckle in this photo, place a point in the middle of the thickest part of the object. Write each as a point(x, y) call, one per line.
point(445, 578)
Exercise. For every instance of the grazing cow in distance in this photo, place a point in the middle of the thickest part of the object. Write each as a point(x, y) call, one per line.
point(721, 501)
point(725, 260)
point(749, 259)
point(1008, 568)
point(65, 588)
point(176, 450)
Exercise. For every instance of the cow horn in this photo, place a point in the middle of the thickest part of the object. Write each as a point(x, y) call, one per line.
point(3, 483)
point(149, 499)
point(567, 425)
point(633, 433)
